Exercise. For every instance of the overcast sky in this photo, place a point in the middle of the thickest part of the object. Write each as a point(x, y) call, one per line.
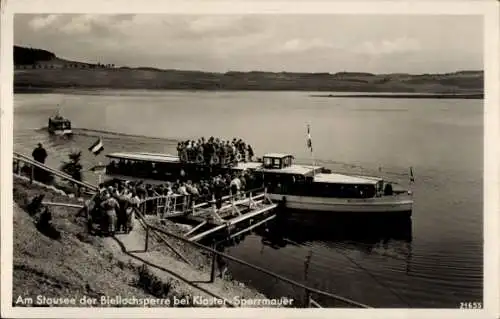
point(301, 43)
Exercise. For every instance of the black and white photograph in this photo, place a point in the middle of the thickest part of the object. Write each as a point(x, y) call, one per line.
point(232, 161)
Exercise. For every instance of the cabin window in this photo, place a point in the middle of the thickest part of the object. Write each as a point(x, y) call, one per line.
point(276, 163)
point(339, 190)
point(267, 162)
point(287, 161)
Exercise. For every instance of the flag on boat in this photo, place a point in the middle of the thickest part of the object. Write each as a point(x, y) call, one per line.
point(99, 168)
point(309, 141)
point(97, 147)
point(412, 178)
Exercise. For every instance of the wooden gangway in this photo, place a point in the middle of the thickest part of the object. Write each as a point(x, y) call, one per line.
point(234, 209)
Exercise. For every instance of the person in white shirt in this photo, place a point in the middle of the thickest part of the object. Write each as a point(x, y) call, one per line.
point(183, 191)
point(235, 187)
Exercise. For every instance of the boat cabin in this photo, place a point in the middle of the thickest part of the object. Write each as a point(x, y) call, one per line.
point(142, 165)
point(276, 161)
point(59, 123)
point(345, 186)
point(281, 176)
point(156, 166)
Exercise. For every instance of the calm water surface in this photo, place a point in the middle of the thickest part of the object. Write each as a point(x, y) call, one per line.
point(436, 263)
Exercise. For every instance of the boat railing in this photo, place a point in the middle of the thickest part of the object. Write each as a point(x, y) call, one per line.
point(172, 205)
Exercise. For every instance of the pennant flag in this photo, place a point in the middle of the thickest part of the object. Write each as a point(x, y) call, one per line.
point(98, 168)
point(309, 141)
point(97, 147)
point(412, 178)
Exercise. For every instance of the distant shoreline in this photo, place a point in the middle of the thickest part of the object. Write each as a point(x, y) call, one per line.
point(473, 96)
point(385, 95)
point(52, 78)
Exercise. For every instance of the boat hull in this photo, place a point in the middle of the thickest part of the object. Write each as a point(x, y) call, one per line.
point(398, 204)
point(61, 132)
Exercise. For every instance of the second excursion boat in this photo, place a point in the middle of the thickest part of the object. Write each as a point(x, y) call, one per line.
point(59, 125)
point(301, 187)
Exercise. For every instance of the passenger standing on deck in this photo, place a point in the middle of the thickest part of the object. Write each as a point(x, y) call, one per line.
point(243, 182)
point(250, 152)
point(235, 187)
point(229, 153)
point(218, 190)
point(185, 196)
point(243, 148)
point(233, 152)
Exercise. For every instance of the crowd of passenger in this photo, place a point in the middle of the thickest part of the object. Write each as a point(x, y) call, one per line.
point(118, 200)
point(215, 151)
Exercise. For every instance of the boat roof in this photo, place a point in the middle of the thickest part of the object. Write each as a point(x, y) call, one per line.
point(375, 178)
point(110, 177)
point(277, 155)
point(146, 157)
point(58, 119)
point(292, 169)
point(248, 165)
point(335, 178)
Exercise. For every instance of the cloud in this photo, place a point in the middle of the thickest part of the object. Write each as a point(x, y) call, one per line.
point(79, 24)
point(40, 22)
point(298, 45)
point(386, 47)
point(320, 43)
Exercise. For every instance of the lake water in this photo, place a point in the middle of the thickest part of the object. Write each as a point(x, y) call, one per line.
point(438, 264)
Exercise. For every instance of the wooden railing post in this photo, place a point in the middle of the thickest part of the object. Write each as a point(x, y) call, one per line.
point(214, 204)
point(307, 298)
point(214, 262)
point(32, 174)
point(147, 238)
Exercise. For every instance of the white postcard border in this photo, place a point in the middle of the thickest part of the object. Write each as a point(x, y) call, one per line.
point(488, 9)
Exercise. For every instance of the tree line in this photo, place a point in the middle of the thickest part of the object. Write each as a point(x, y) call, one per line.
point(29, 58)
point(62, 65)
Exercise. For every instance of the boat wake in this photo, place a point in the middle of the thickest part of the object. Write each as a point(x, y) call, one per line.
point(112, 135)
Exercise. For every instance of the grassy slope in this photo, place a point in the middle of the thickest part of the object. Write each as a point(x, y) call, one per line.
point(150, 78)
point(74, 266)
point(79, 264)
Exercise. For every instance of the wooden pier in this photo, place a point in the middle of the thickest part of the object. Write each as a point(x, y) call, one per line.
point(254, 207)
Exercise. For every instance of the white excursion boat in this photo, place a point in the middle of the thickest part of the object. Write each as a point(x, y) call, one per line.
point(301, 187)
point(307, 187)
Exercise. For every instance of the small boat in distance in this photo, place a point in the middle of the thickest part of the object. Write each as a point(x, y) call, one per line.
point(59, 125)
point(296, 186)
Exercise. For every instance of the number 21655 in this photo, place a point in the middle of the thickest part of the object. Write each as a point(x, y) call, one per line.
point(471, 305)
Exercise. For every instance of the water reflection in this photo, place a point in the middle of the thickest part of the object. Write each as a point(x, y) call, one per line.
point(362, 233)
point(390, 236)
